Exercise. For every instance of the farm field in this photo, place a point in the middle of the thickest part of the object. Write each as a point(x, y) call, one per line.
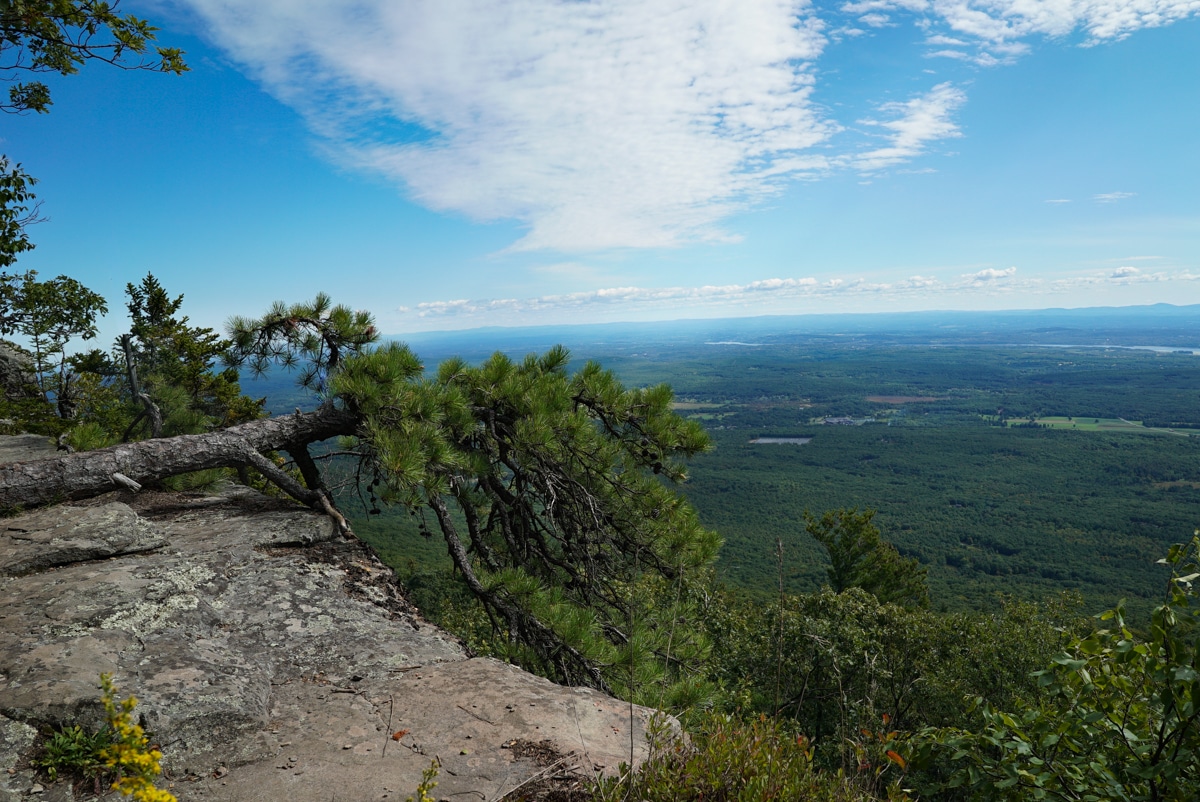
point(1094, 425)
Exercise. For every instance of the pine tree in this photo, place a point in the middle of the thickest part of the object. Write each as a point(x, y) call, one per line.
point(552, 490)
point(860, 558)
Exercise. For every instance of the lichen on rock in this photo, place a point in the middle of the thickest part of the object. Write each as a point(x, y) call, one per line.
point(269, 657)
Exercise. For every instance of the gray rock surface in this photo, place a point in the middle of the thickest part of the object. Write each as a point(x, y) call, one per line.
point(16, 371)
point(64, 535)
point(22, 447)
point(271, 660)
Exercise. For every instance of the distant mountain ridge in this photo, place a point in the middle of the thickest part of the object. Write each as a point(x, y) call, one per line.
point(1156, 324)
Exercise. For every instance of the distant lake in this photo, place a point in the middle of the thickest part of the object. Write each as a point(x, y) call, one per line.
point(795, 440)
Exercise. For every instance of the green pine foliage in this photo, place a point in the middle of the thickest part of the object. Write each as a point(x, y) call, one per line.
point(553, 493)
point(177, 364)
point(312, 338)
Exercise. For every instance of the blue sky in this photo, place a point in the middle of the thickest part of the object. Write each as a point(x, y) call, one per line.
point(462, 163)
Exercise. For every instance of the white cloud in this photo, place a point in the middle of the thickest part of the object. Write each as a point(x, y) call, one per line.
point(923, 119)
point(1125, 272)
point(992, 274)
point(1112, 197)
point(760, 294)
point(1005, 20)
point(754, 292)
point(1057, 200)
point(945, 41)
point(597, 125)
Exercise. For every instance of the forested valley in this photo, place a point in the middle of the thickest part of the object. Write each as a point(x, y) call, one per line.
point(1034, 486)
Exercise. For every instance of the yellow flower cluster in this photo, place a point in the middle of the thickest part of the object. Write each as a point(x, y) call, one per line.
point(130, 755)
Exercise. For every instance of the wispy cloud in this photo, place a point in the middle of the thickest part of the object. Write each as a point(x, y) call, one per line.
point(1057, 200)
point(997, 26)
point(1112, 197)
point(597, 125)
point(617, 123)
point(1125, 272)
point(923, 119)
point(1006, 20)
point(875, 20)
point(993, 274)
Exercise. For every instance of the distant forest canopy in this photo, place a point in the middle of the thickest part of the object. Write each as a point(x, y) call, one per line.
point(989, 509)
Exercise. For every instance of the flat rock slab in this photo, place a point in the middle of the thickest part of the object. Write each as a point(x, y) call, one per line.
point(24, 447)
point(64, 535)
point(271, 659)
point(478, 718)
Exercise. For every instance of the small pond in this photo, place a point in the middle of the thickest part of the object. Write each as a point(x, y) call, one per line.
point(799, 441)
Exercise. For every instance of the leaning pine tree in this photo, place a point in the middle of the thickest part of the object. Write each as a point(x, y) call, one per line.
point(552, 490)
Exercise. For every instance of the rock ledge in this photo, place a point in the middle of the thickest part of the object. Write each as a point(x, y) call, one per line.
point(271, 660)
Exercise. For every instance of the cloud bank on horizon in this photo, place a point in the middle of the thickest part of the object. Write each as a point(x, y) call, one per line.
point(624, 123)
point(775, 294)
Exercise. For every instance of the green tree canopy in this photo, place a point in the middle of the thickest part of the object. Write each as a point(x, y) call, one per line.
point(18, 209)
point(1120, 719)
point(49, 314)
point(177, 363)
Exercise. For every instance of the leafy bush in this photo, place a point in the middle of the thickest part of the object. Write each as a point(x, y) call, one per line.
point(836, 663)
point(74, 752)
point(1120, 719)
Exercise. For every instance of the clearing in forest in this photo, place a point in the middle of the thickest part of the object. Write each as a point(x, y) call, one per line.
point(1096, 425)
point(904, 399)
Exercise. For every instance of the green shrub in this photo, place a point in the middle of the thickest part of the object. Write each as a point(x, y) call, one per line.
point(1120, 719)
point(725, 759)
point(74, 752)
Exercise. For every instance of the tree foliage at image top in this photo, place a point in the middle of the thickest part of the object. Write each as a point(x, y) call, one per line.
point(59, 36)
point(550, 489)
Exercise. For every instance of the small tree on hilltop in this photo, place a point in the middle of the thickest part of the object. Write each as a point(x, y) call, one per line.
point(860, 558)
point(50, 314)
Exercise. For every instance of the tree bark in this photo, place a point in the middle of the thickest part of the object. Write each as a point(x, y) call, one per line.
point(150, 409)
point(90, 473)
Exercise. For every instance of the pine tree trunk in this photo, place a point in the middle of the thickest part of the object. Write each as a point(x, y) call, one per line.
point(90, 473)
